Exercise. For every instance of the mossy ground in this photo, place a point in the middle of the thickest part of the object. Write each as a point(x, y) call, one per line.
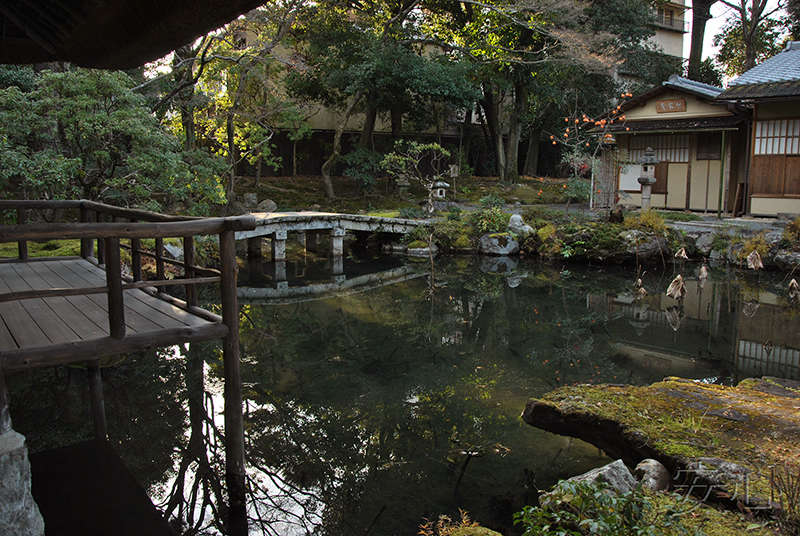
point(689, 419)
point(49, 248)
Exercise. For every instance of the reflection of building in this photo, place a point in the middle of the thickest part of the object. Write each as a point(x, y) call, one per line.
point(768, 340)
point(714, 326)
point(665, 338)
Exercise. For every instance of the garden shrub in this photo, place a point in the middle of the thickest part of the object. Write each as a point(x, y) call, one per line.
point(758, 243)
point(489, 220)
point(649, 220)
point(491, 200)
point(450, 234)
point(411, 213)
point(578, 508)
point(792, 233)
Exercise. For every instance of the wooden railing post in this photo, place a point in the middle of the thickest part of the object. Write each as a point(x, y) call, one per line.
point(87, 244)
point(136, 257)
point(160, 275)
point(188, 271)
point(96, 399)
point(234, 419)
point(22, 246)
point(116, 307)
point(99, 217)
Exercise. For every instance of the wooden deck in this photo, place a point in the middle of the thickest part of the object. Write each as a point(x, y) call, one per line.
point(37, 322)
point(30, 326)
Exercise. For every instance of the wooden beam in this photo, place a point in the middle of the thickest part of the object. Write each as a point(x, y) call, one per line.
point(86, 231)
point(116, 305)
point(22, 246)
point(75, 352)
point(234, 419)
point(96, 399)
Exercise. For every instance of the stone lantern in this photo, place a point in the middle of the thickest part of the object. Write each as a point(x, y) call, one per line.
point(439, 189)
point(402, 185)
point(648, 178)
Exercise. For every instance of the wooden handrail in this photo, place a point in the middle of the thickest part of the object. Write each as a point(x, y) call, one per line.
point(44, 231)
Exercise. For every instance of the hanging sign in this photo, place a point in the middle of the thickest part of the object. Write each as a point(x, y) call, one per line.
point(671, 105)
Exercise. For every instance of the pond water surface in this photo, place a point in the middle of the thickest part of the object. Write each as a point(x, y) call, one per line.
point(383, 392)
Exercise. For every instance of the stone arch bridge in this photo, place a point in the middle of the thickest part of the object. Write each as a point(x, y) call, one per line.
point(277, 225)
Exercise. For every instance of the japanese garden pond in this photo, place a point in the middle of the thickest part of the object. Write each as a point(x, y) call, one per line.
point(384, 391)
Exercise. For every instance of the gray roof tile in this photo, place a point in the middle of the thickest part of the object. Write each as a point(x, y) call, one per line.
point(783, 67)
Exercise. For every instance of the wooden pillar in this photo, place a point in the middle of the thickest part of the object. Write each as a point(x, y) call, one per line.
point(116, 307)
point(136, 257)
point(279, 246)
point(188, 271)
point(96, 397)
point(160, 259)
point(254, 249)
point(101, 248)
point(22, 246)
point(87, 244)
point(234, 419)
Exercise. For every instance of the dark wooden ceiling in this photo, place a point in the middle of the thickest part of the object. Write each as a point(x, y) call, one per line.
point(107, 34)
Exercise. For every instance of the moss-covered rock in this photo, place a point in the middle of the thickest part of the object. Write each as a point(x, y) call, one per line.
point(726, 438)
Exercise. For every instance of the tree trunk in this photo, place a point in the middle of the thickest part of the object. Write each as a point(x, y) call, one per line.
point(514, 133)
point(258, 171)
point(397, 123)
point(532, 156)
point(701, 13)
point(327, 167)
point(489, 105)
point(369, 121)
point(229, 127)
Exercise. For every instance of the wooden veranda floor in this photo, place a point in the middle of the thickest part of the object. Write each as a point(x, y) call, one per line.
point(32, 324)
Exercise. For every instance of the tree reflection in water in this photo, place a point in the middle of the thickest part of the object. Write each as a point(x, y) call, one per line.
point(367, 413)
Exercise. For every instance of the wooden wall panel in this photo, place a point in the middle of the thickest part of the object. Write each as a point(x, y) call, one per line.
point(768, 174)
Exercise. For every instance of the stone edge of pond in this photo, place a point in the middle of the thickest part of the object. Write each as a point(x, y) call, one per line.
point(724, 443)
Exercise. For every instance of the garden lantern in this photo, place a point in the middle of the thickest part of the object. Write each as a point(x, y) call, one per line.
point(439, 189)
point(648, 177)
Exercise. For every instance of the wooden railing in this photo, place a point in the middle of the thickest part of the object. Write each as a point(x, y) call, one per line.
point(132, 226)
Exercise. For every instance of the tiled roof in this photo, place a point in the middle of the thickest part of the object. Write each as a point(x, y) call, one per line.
point(783, 67)
point(775, 90)
point(691, 86)
point(726, 122)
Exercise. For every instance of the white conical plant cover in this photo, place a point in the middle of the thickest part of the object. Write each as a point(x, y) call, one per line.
point(677, 289)
point(754, 261)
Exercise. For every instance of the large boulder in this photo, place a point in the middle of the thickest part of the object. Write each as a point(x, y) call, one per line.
point(653, 475)
point(518, 226)
point(498, 244)
point(267, 205)
point(616, 474)
point(644, 245)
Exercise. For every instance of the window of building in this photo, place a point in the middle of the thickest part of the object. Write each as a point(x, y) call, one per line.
point(709, 145)
point(666, 16)
point(777, 136)
point(667, 147)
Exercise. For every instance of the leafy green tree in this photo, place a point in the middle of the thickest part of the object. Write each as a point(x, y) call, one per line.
point(84, 133)
point(750, 35)
point(368, 58)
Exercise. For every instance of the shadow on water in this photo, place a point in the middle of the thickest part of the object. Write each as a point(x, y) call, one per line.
point(388, 393)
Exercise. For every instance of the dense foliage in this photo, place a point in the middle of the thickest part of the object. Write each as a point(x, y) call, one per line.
point(82, 133)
